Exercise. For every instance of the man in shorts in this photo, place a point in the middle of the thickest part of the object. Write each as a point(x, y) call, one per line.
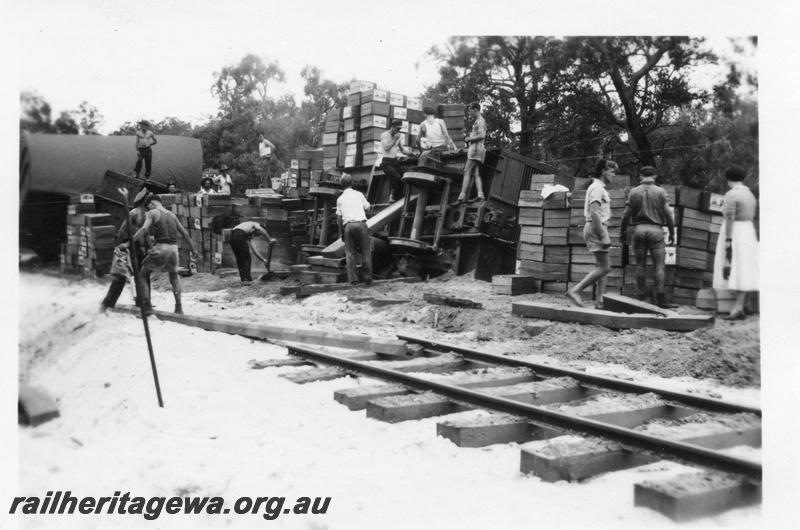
point(164, 226)
point(597, 210)
point(648, 211)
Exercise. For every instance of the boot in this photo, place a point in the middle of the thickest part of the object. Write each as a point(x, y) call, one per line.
point(148, 307)
point(178, 309)
point(661, 301)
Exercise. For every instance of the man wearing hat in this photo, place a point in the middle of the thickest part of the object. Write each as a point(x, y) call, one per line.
point(433, 133)
point(165, 228)
point(390, 145)
point(136, 215)
point(206, 185)
point(144, 140)
point(223, 180)
point(648, 211)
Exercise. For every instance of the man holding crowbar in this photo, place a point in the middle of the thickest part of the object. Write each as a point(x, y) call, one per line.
point(144, 310)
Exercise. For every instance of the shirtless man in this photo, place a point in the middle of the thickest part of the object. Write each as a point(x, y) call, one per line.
point(164, 226)
point(242, 243)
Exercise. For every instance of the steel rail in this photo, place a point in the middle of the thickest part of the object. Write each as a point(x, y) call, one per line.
point(597, 380)
point(669, 449)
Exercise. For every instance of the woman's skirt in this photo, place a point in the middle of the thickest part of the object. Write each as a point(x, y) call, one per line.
point(744, 260)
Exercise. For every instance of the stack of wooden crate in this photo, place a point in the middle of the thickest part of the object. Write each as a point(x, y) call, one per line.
point(91, 239)
point(455, 119)
point(352, 134)
point(544, 255)
point(309, 166)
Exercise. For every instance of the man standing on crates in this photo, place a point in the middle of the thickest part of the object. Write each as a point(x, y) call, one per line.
point(145, 139)
point(352, 220)
point(265, 148)
point(648, 211)
point(597, 210)
point(165, 228)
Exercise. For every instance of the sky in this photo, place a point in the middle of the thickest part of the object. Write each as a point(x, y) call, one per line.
point(157, 59)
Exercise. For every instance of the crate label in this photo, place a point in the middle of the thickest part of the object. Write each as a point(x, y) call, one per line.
point(292, 182)
point(360, 86)
point(715, 202)
point(404, 127)
point(414, 103)
point(84, 241)
point(380, 95)
point(670, 255)
point(295, 164)
point(350, 137)
point(81, 260)
point(347, 112)
point(349, 161)
point(81, 251)
point(375, 121)
point(397, 99)
point(399, 113)
point(87, 198)
point(69, 230)
point(197, 223)
point(218, 258)
point(71, 210)
point(351, 149)
point(415, 129)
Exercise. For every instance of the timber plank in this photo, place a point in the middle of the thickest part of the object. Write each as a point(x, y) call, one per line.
point(307, 336)
point(308, 290)
point(624, 304)
point(610, 319)
point(437, 299)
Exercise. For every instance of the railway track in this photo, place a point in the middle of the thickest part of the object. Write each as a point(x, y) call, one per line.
point(535, 405)
point(531, 403)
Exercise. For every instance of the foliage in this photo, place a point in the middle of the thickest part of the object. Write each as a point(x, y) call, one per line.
point(506, 75)
point(36, 117)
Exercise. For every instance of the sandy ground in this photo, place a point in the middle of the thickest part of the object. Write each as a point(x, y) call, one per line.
point(228, 430)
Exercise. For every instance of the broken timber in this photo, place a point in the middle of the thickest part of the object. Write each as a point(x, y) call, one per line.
point(308, 290)
point(609, 319)
point(450, 301)
point(308, 336)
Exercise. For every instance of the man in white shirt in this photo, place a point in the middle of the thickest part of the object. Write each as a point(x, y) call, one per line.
point(265, 148)
point(223, 180)
point(352, 220)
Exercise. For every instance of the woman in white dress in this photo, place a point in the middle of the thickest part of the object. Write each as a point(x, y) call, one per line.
point(736, 259)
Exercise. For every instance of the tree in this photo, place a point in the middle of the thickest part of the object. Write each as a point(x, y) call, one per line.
point(36, 117)
point(88, 117)
point(507, 74)
point(242, 88)
point(322, 95)
point(168, 126)
point(35, 114)
point(634, 85)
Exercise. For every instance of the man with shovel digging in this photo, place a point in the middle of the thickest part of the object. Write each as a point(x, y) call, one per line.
point(242, 244)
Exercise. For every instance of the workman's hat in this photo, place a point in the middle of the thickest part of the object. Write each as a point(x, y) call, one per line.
point(145, 123)
point(209, 179)
point(397, 123)
point(141, 197)
point(224, 167)
point(648, 172)
point(429, 110)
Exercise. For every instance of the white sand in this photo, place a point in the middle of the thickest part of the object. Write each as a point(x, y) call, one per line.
point(228, 430)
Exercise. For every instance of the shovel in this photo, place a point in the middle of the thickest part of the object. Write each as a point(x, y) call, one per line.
point(268, 275)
